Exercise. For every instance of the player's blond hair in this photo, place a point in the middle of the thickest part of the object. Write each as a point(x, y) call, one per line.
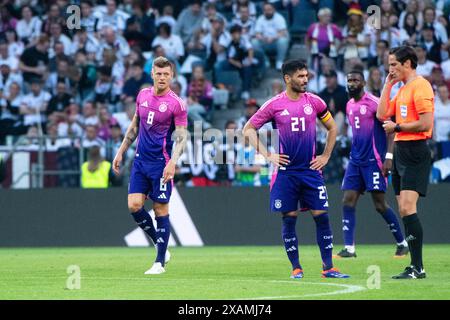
point(162, 62)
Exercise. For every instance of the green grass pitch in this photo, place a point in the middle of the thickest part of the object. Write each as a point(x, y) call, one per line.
point(215, 273)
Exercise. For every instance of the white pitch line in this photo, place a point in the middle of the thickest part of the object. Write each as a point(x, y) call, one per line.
point(347, 289)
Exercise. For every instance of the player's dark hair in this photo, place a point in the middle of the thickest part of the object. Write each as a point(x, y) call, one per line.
point(404, 53)
point(291, 66)
point(162, 62)
point(357, 71)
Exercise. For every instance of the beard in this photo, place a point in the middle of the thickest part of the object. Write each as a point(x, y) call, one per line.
point(299, 88)
point(354, 92)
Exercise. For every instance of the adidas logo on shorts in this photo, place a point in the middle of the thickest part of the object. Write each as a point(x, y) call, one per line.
point(162, 196)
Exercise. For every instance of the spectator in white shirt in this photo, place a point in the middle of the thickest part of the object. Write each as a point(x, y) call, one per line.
point(245, 21)
point(391, 34)
point(5, 58)
point(7, 78)
point(34, 105)
point(88, 20)
point(112, 18)
point(10, 103)
point(409, 31)
point(91, 139)
point(167, 17)
point(56, 35)
point(412, 7)
point(215, 42)
point(61, 74)
point(124, 118)
point(237, 5)
point(424, 66)
point(429, 16)
point(239, 58)
point(189, 21)
point(29, 27)
point(442, 115)
point(70, 125)
point(15, 47)
point(211, 15)
point(111, 40)
point(446, 68)
point(89, 117)
point(84, 41)
point(172, 43)
point(53, 142)
point(271, 34)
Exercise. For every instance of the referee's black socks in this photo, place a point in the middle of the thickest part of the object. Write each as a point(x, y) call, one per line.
point(414, 237)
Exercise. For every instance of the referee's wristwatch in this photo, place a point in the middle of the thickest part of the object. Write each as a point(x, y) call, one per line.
point(397, 128)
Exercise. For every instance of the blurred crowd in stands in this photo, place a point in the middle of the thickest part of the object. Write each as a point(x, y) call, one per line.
point(77, 84)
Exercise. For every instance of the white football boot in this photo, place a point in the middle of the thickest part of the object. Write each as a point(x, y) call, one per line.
point(157, 268)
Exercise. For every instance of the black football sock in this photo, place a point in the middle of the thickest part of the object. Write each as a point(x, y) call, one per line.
point(414, 237)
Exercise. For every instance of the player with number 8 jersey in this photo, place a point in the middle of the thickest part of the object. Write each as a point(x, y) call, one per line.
point(298, 182)
point(159, 121)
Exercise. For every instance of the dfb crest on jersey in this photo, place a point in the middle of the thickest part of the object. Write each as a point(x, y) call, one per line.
point(308, 109)
point(278, 204)
point(363, 109)
point(163, 107)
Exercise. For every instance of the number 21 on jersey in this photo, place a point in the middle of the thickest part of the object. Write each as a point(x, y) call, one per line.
point(295, 124)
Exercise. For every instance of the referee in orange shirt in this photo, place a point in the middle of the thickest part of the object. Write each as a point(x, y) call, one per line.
point(413, 108)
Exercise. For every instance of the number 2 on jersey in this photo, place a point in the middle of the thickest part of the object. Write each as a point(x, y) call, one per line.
point(357, 123)
point(150, 117)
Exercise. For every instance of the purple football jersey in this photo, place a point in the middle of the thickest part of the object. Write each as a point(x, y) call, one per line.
point(369, 138)
point(295, 121)
point(159, 115)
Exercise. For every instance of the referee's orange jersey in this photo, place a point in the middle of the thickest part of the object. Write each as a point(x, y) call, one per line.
point(412, 99)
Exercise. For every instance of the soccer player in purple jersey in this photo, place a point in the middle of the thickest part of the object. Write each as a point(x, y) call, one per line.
point(369, 165)
point(159, 114)
point(298, 179)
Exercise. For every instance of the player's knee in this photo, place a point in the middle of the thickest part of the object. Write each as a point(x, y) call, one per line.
point(406, 209)
point(349, 201)
point(134, 206)
point(160, 209)
point(381, 207)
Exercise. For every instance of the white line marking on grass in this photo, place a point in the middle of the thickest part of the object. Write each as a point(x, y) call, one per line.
point(348, 288)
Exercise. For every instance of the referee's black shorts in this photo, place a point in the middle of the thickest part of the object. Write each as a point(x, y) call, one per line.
point(412, 165)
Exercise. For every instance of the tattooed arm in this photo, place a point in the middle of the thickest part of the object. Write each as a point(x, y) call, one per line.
point(180, 144)
point(130, 136)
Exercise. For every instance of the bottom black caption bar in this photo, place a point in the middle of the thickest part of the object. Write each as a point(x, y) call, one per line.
point(231, 310)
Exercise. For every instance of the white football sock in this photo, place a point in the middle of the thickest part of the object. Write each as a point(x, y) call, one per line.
point(350, 249)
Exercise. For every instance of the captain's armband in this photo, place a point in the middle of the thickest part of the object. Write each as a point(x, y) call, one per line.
point(325, 116)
